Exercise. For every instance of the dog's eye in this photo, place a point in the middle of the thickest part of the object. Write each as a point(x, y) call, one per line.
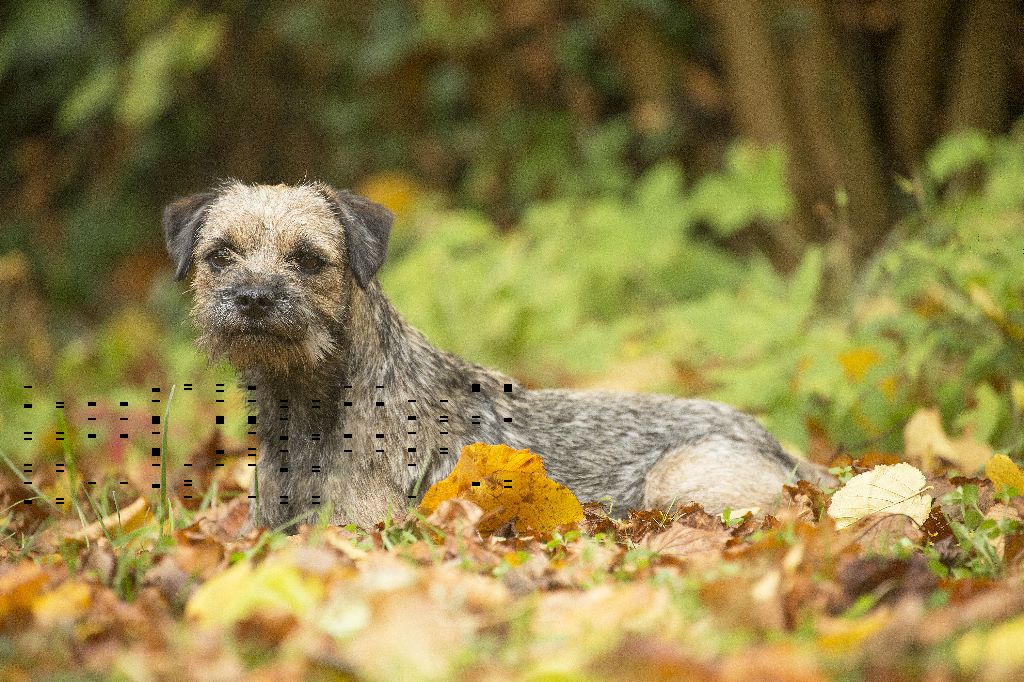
point(309, 263)
point(221, 258)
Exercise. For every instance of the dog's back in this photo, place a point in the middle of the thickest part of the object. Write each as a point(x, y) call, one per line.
point(648, 450)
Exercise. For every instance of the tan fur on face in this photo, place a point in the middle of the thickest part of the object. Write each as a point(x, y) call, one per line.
point(263, 225)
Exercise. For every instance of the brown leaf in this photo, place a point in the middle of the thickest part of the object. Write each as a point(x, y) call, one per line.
point(596, 519)
point(642, 522)
point(887, 579)
point(174, 585)
point(198, 554)
point(936, 526)
point(687, 542)
point(807, 499)
point(456, 516)
point(778, 662)
point(651, 658)
point(223, 522)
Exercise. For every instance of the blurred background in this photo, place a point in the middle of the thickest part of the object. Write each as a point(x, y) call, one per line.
point(809, 208)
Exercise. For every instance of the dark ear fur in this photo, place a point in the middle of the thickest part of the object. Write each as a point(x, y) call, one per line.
point(367, 226)
point(182, 220)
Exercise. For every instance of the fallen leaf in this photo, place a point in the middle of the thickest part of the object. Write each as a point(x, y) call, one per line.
point(334, 538)
point(409, 635)
point(456, 517)
point(687, 542)
point(925, 439)
point(772, 662)
point(651, 658)
point(135, 515)
point(509, 486)
point(276, 586)
point(69, 601)
point(19, 585)
point(886, 489)
point(848, 634)
point(997, 654)
point(1004, 473)
point(877, 533)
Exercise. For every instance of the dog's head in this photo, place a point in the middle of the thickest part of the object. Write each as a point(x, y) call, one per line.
point(274, 268)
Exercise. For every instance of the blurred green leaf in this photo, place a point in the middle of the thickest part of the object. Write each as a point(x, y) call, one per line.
point(159, 59)
point(90, 97)
point(955, 153)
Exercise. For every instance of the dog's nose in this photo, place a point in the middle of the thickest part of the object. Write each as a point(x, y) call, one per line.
point(254, 301)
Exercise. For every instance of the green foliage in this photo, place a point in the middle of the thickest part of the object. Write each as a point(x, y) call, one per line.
point(585, 284)
point(580, 281)
point(111, 109)
point(952, 288)
point(975, 534)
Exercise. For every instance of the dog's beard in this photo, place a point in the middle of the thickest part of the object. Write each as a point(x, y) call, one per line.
point(268, 346)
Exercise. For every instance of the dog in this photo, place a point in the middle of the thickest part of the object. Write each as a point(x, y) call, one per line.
point(360, 414)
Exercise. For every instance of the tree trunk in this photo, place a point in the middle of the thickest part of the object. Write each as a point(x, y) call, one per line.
point(760, 105)
point(913, 79)
point(978, 87)
point(835, 119)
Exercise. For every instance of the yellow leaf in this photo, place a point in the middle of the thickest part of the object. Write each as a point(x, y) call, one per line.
point(1003, 472)
point(510, 485)
point(67, 602)
point(397, 191)
point(997, 653)
point(842, 635)
point(19, 585)
point(857, 361)
point(276, 586)
point(886, 489)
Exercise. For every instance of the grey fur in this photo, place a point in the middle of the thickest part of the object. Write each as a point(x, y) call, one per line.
point(637, 450)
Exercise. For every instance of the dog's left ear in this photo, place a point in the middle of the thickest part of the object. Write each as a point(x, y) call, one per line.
point(367, 226)
point(182, 220)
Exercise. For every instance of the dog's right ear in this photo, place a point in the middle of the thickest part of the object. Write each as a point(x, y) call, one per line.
point(182, 220)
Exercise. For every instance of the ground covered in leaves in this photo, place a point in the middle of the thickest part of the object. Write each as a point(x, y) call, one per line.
point(451, 594)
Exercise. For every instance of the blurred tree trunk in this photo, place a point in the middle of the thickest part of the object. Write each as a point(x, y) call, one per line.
point(977, 97)
point(855, 91)
point(833, 115)
point(756, 85)
point(913, 78)
point(791, 86)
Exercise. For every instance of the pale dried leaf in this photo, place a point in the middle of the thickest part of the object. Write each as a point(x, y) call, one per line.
point(886, 489)
point(925, 440)
point(135, 515)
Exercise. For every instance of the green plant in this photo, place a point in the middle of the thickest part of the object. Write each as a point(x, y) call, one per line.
point(975, 535)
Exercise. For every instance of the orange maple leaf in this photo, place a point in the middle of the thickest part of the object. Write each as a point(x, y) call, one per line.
point(510, 486)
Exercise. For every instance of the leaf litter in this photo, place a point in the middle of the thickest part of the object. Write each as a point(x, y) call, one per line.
point(892, 575)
